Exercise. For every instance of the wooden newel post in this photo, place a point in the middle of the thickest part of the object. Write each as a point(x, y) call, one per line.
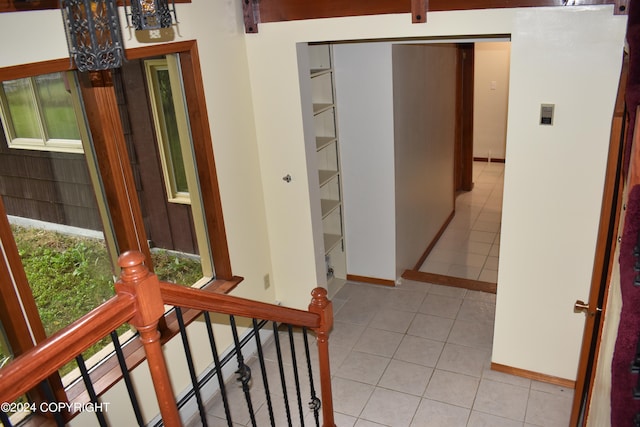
point(136, 280)
point(321, 305)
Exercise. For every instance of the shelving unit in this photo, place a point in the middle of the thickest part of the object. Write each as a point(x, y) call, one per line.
point(328, 161)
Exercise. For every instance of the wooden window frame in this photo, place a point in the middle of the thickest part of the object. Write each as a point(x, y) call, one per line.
point(168, 167)
point(44, 143)
point(23, 326)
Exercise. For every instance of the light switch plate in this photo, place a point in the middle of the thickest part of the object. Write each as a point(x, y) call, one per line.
point(546, 114)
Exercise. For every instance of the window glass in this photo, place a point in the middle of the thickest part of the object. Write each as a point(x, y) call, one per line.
point(57, 212)
point(172, 135)
point(57, 107)
point(39, 114)
point(22, 109)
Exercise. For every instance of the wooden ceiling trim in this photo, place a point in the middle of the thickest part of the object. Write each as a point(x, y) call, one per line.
point(290, 10)
point(419, 11)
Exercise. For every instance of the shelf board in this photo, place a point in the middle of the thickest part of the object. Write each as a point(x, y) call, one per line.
point(331, 241)
point(327, 206)
point(323, 141)
point(321, 107)
point(326, 176)
point(315, 72)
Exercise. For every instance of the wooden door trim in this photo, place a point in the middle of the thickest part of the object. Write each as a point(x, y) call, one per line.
point(604, 258)
point(463, 151)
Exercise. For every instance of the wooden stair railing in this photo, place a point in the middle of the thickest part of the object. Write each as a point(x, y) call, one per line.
point(140, 301)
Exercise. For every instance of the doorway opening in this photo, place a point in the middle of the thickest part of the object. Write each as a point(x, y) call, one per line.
point(465, 251)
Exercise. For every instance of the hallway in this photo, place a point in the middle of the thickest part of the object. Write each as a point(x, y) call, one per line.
point(470, 246)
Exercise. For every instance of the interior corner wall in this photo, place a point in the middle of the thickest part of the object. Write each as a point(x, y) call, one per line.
point(364, 95)
point(424, 111)
point(490, 99)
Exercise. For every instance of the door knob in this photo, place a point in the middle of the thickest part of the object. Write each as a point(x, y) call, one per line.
point(581, 307)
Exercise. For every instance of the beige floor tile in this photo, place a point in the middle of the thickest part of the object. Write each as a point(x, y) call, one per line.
point(363, 367)
point(464, 360)
point(406, 377)
point(419, 350)
point(431, 327)
point(350, 397)
point(438, 305)
point(390, 408)
point(378, 342)
point(501, 399)
point(453, 388)
point(437, 414)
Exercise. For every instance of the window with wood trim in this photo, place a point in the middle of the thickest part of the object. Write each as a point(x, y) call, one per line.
point(39, 113)
point(170, 120)
point(105, 184)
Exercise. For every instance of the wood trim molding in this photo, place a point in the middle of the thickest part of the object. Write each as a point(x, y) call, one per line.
point(456, 282)
point(419, 10)
point(372, 280)
point(103, 118)
point(550, 379)
point(486, 159)
point(289, 10)
point(435, 239)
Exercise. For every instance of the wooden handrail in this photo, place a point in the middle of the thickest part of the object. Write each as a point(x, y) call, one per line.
point(35, 365)
point(225, 304)
point(140, 300)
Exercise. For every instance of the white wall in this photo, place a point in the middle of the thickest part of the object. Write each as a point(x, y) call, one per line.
point(364, 88)
point(424, 115)
point(490, 99)
point(553, 182)
point(570, 56)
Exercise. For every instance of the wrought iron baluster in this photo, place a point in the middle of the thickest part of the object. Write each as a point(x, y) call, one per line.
point(218, 367)
point(192, 369)
point(314, 404)
point(295, 373)
point(276, 337)
point(92, 392)
point(4, 419)
point(244, 372)
point(127, 378)
point(263, 369)
point(49, 395)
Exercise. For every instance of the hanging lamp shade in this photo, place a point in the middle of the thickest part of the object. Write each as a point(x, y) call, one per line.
point(93, 34)
point(151, 14)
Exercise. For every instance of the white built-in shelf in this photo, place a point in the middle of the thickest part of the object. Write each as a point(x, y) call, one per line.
point(321, 107)
point(316, 72)
point(331, 241)
point(325, 176)
point(327, 206)
point(324, 141)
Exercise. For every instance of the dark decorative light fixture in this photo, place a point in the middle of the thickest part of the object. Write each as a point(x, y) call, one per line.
point(151, 14)
point(93, 34)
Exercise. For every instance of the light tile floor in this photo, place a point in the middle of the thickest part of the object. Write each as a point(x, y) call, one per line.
point(470, 245)
point(416, 355)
